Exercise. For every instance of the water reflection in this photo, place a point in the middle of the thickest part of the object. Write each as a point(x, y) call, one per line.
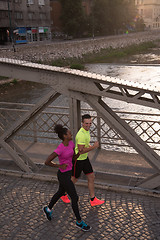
point(149, 74)
point(146, 74)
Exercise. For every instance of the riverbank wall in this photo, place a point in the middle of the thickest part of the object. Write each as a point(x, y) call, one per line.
point(47, 52)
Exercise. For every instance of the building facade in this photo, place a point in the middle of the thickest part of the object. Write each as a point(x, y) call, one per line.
point(24, 20)
point(149, 10)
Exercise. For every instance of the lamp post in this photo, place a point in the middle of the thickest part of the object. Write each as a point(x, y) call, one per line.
point(93, 19)
point(11, 30)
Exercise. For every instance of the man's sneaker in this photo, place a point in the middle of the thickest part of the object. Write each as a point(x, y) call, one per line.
point(83, 226)
point(96, 202)
point(48, 213)
point(65, 199)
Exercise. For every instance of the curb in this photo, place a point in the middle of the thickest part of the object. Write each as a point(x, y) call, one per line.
point(10, 80)
point(6, 81)
point(99, 185)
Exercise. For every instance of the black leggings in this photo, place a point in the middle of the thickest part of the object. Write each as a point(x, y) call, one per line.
point(66, 185)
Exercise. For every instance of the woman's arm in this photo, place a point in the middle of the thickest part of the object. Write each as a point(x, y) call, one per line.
point(75, 156)
point(49, 162)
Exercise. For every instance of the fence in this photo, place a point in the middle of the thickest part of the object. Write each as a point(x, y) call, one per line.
point(146, 125)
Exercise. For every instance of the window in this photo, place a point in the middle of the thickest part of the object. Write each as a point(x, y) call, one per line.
point(17, 1)
point(141, 12)
point(31, 16)
point(41, 2)
point(3, 14)
point(29, 2)
point(18, 15)
point(42, 16)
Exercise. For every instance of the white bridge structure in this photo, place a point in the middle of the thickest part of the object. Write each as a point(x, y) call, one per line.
point(90, 88)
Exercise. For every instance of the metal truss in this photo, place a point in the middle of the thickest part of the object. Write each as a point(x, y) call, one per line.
point(92, 88)
point(63, 80)
point(6, 142)
point(130, 136)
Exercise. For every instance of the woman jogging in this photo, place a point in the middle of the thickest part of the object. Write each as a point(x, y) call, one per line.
point(65, 153)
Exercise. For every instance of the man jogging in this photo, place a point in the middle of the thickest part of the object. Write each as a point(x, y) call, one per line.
point(82, 163)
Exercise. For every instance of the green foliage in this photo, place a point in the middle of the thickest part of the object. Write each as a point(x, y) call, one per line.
point(7, 84)
point(110, 17)
point(3, 78)
point(139, 25)
point(77, 66)
point(14, 81)
point(69, 62)
point(110, 55)
point(107, 17)
point(73, 17)
point(58, 63)
point(104, 55)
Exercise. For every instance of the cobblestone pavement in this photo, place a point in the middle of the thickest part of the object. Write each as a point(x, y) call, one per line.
point(123, 216)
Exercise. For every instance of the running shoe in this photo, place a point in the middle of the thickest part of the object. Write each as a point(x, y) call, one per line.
point(83, 226)
point(96, 202)
point(48, 213)
point(65, 199)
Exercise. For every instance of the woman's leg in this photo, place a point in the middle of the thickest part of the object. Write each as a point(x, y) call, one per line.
point(70, 189)
point(56, 196)
point(74, 199)
point(59, 193)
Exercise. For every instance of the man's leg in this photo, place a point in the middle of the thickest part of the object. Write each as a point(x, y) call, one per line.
point(74, 180)
point(91, 178)
point(88, 170)
point(76, 170)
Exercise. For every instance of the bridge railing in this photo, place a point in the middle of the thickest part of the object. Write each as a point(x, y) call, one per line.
point(41, 129)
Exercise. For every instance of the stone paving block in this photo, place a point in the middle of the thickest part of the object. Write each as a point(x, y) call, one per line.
point(123, 216)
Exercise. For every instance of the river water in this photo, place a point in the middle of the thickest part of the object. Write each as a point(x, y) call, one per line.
point(147, 74)
point(24, 92)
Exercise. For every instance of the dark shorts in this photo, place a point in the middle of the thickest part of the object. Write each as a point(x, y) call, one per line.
point(81, 165)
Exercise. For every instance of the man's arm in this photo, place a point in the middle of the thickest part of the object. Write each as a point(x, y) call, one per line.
point(82, 149)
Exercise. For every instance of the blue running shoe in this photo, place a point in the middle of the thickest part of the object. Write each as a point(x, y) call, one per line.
point(48, 214)
point(83, 226)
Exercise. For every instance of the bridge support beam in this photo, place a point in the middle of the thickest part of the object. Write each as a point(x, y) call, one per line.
point(113, 120)
point(75, 115)
point(6, 142)
point(151, 182)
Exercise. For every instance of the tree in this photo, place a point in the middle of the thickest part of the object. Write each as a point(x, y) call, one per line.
point(101, 17)
point(139, 24)
point(73, 17)
point(112, 16)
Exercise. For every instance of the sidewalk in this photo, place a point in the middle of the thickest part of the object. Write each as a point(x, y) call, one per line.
point(110, 167)
point(123, 216)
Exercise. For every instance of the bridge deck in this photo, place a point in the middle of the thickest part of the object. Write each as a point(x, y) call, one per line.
point(112, 165)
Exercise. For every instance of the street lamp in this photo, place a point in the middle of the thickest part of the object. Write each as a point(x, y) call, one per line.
point(11, 30)
point(93, 18)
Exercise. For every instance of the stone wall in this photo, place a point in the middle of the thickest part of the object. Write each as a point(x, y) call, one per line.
point(75, 48)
